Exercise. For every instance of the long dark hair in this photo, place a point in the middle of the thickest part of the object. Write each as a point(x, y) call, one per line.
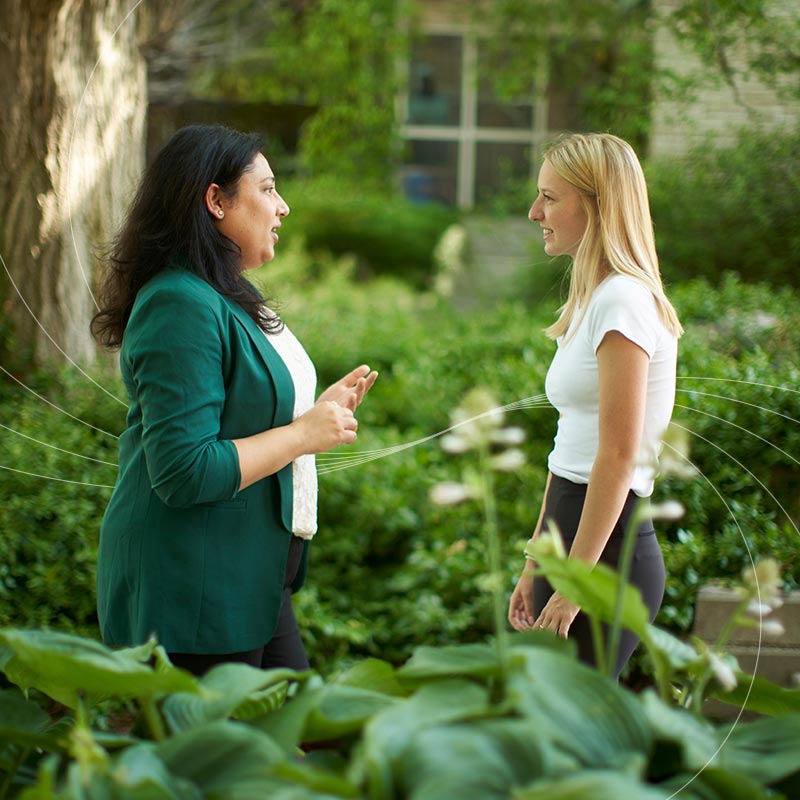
point(168, 220)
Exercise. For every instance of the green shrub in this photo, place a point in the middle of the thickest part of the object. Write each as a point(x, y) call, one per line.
point(454, 721)
point(53, 500)
point(388, 235)
point(734, 208)
point(736, 393)
point(389, 570)
point(410, 569)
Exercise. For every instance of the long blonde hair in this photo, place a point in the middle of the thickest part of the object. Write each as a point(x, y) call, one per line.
point(619, 231)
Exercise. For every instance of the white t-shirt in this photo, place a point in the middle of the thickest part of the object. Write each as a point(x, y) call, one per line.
point(304, 470)
point(619, 304)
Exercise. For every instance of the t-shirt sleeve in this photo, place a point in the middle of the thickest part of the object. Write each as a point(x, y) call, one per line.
point(628, 307)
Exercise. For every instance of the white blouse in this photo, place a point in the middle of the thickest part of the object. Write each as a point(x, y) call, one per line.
point(619, 304)
point(304, 469)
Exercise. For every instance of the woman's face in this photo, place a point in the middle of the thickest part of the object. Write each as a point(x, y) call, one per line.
point(252, 217)
point(559, 210)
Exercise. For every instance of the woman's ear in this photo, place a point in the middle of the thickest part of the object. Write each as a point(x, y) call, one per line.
point(213, 201)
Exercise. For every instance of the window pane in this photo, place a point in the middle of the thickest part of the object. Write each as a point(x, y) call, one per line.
point(435, 88)
point(430, 172)
point(496, 113)
point(501, 167)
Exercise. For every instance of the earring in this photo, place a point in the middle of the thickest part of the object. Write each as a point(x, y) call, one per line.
point(221, 213)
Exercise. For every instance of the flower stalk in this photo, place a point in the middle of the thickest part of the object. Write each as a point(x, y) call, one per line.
point(477, 428)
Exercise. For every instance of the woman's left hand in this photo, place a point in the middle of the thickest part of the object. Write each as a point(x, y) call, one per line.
point(349, 391)
point(557, 615)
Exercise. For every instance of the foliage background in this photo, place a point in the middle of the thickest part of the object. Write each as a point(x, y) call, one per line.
point(390, 570)
point(356, 272)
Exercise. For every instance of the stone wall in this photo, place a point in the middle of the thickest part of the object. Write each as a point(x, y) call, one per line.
point(718, 110)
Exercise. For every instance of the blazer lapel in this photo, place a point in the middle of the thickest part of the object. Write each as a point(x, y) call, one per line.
point(284, 405)
point(284, 387)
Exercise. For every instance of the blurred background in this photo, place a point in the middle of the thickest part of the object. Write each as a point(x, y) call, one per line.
point(406, 138)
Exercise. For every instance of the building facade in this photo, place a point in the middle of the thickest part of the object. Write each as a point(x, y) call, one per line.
point(463, 144)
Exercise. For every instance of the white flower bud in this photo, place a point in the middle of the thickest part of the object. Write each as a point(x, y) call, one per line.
point(668, 510)
point(450, 493)
point(772, 628)
point(723, 672)
point(764, 580)
point(756, 609)
point(454, 444)
point(508, 437)
point(509, 461)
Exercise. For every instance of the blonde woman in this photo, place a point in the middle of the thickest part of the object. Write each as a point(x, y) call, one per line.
point(612, 378)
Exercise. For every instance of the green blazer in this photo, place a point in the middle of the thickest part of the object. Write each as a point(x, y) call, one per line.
point(183, 554)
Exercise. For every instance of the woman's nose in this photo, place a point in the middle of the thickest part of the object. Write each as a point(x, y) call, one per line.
point(534, 213)
point(283, 208)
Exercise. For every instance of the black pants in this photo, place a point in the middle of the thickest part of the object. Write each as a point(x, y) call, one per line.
point(564, 505)
point(284, 649)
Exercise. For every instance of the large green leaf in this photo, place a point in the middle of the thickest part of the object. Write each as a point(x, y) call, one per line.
point(138, 774)
point(273, 789)
point(286, 724)
point(373, 674)
point(45, 786)
point(389, 732)
point(594, 589)
point(466, 660)
point(672, 653)
point(768, 750)
point(584, 714)
point(26, 723)
point(482, 759)
point(760, 695)
point(478, 660)
point(303, 773)
point(323, 713)
point(590, 785)
point(217, 756)
point(228, 690)
point(65, 666)
point(714, 784)
point(683, 742)
point(343, 710)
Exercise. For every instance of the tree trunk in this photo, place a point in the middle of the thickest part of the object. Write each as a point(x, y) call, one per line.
point(74, 89)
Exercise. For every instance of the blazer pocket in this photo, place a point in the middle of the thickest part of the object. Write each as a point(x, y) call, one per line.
point(239, 504)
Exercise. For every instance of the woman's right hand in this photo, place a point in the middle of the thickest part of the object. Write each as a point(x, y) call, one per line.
point(520, 609)
point(326, 425)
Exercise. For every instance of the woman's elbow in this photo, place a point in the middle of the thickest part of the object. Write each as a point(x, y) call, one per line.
point(211, 475)
point(620, 457)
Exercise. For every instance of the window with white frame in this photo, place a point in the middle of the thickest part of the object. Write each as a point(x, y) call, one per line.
point(463, 142)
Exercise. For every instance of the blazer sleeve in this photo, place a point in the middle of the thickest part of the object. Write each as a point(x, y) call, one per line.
point(175, 354)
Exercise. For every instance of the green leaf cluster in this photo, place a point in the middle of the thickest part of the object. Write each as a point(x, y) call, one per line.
point(413, 571)
point(453, 721)
point(734, 208)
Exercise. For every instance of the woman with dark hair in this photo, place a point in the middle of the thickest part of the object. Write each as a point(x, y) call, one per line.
point(206, 534)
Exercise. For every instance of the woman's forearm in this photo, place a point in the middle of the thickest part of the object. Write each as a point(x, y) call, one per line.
point(267, 453)
point(538, 529)
point(609, 483)
point(324, 426)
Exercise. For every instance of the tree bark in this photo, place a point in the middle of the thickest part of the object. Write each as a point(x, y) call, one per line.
point(74, 88)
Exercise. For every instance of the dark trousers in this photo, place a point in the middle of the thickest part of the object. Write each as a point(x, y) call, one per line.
point(284, 649)
point(564, 505)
